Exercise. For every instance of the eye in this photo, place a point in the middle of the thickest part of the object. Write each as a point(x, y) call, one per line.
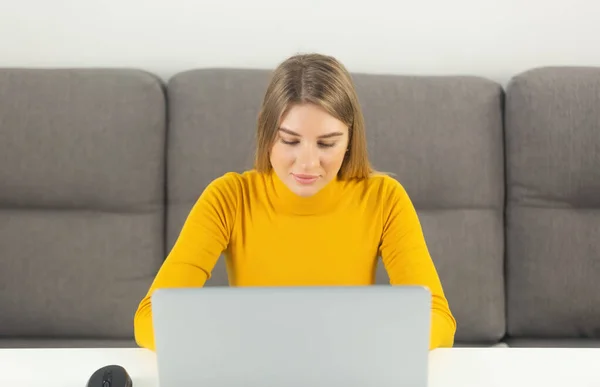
point(293, 142)
point(326, 145)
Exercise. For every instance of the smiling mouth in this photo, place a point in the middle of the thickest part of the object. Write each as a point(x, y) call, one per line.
point(305, 179)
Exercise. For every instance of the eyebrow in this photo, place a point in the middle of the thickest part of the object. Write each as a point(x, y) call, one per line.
point(328, 135)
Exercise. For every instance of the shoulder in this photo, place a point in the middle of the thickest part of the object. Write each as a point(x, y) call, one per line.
point(396, 206)
point(224, 194)
point(376, 193)
point(382, 186)
point(227, 181)
point(233, 185)
point(385, 195)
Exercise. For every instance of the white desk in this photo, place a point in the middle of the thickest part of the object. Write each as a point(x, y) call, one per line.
point(456, 367)
point(514, 367)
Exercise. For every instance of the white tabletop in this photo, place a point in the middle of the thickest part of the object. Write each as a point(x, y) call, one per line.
point(456, 367)
point(514, 367)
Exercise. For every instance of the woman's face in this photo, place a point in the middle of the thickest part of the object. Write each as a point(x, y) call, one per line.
point(309, 149)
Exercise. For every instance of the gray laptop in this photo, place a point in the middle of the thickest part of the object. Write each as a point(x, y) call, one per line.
point(366, 336)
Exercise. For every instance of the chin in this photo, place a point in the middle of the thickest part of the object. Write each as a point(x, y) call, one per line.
point(304, 191)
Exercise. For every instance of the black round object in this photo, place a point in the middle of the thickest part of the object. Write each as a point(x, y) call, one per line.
point(110, 376)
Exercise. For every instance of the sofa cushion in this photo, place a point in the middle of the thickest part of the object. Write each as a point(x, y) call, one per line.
point(461, 344)
point(553, 217)
point(66, 343)
point(212, 115)
point(442, 139)
point(553, 343)
point(81, 199)
point(440, 136)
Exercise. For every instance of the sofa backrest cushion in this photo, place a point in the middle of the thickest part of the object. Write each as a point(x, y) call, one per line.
point(553, 214)
point(212, 126)
point(81, 199)
point(442, 138)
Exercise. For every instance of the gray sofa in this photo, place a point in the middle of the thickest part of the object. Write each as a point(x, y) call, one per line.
point(99, 168)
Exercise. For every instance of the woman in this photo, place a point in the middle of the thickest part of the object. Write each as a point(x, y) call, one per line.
point(311, 212)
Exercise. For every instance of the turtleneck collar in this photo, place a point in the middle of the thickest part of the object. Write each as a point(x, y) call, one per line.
point(286, 200)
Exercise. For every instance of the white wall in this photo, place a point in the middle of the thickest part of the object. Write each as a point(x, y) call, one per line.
point(493, 38)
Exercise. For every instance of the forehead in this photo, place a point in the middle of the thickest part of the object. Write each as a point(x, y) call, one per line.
point(311, 120)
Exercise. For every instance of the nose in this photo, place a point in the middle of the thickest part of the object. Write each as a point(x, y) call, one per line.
point(308, 157)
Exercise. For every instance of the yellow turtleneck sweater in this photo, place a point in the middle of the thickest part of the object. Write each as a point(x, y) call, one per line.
point(271, 237)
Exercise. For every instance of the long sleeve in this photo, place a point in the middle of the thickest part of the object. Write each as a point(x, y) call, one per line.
point(407, 261)
point(204, 236)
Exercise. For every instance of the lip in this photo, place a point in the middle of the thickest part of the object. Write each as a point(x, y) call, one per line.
point(305, 179)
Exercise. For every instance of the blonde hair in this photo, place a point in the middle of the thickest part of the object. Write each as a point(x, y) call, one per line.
point(323, 81)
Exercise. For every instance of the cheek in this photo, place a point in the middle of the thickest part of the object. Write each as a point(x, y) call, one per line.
point(281, 156)
point(333, 158)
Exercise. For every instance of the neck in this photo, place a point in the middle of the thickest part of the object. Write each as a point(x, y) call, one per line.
point(288, 201)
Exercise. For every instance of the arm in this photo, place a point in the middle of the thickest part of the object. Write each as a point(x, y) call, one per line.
point(204, 236)
point(407, 261)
